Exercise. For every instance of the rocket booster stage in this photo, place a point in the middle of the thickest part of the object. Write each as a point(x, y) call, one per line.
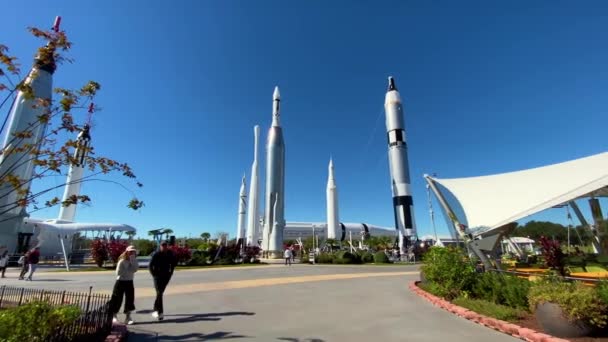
point(274, 219)
point(24, 119)
point(75, 173)
point(253, 223)
point(333, 220)
point(240, 233)
point(399, 166)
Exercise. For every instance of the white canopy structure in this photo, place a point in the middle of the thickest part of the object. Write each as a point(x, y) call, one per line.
point(485, 203)
point(495, 200)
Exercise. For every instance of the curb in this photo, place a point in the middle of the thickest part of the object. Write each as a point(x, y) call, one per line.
point(496, 324)
point(118, 334)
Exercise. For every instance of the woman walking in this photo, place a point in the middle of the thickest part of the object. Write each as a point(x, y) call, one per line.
point(125, 269)
point(3, 262)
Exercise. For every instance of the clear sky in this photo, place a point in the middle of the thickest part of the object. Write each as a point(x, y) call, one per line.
point(487, 88)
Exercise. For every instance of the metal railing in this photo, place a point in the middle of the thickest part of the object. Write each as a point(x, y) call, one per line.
point(94, 323)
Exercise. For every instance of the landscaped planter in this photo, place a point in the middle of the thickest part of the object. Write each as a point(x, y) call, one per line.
point(554, 322)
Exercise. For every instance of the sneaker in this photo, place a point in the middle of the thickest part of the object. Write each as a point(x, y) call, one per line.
point(158, 315)
point(114, 319)
point(128, 319)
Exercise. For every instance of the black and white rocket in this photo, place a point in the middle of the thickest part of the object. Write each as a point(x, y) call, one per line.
point(72, 188)
point(274, 218)
point(399, 167)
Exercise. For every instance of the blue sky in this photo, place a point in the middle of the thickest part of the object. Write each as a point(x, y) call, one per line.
point(487, 88)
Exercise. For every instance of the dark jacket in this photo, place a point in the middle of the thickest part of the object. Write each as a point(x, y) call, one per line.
point(162, 264)
point(34, 257)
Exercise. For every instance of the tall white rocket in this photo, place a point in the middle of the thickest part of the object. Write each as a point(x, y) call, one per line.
point(253, 222)
point(72, 188)
point(333, 220)
point(240, 233)
point(17, 159)
point(274, 218)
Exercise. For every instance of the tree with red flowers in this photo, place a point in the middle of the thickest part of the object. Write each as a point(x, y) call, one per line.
point(116, 248)
point(182, 254)
point(99, 252)
point(553, 254)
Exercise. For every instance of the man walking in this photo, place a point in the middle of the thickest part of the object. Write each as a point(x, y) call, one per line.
point(161, 267)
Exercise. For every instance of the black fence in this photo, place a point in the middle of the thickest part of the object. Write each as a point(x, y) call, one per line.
point(94, 323)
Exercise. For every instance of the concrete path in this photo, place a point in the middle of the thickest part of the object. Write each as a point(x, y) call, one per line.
point(278, 303)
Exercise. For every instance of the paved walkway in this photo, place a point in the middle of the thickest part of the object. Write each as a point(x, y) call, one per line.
point(279, 303)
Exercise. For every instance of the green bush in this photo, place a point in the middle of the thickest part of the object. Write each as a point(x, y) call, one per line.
point(325, 258)
point(433, 288)
point(450, 269)
point(579, 302)
point(34, 321)
point(602, 290)
point(199, 258)
point(381, 258)
point(366, 257)
point(502, 289)
point(491, 309)
point(345, 257)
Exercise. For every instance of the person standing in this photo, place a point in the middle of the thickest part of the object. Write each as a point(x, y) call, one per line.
point(287, 256)
point(161, 267)
point(33, 260)
point(125, 271)
point(24, 262)
point(3, 262)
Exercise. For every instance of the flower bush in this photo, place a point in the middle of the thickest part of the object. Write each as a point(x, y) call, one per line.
point(182, 254)
point(99, 252)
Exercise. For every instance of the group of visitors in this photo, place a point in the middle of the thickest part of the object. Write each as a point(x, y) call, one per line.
point(28, 262)
point(161, 267)
point(290, 255)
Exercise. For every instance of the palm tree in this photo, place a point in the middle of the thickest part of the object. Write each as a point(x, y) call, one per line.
point(167, 231)
point(130, 235)
point(205, 236)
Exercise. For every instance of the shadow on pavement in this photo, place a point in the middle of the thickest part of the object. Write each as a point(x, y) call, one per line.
point(143, 336)
point(291, 339)
point(186, 318)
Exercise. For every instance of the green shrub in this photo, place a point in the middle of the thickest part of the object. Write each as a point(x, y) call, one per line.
point(450, 269)
point(602, 290)
point(34, 321)
point(381, 258)
point(366, 257)
point(345, 257)
point(491, 309)
point(579, 302)
point(502, 289)
point(433, 288)
point(602, 259)
point(199, 258)
point(325, 258)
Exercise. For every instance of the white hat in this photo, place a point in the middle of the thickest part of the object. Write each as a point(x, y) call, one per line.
point(131, 249)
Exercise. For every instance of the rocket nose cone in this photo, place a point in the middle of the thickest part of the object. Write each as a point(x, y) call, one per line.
point(276, 95)
point(391, 83)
